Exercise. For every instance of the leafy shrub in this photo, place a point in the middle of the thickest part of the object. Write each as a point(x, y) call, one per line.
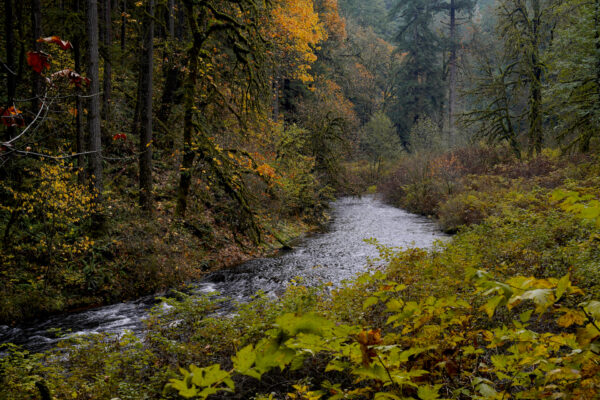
point(43, 223)
point(506, 309)
point(464, 209)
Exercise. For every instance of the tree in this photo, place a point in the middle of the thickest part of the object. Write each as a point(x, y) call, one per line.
point(420, 86)
point(380, 142)
point(227, 36)
point(525, 27)
point(455, 7)
point(95, 136)
point(146, 70)
point(493, 113)
point(9, 65)
point(106, 55)
point(367, 14)
point(294, 31)
point(36, 30)
point(329, 118)
point(573, 93)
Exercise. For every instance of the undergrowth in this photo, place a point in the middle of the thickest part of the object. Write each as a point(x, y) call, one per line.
point(507, 309)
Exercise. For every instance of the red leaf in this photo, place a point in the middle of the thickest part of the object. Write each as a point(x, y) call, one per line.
point(38, 61)
point(11, 117)
point(64, 44)
point(121, 136)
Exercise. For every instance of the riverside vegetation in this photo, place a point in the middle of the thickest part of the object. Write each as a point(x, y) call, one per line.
point(144, 143)
point(507, 309)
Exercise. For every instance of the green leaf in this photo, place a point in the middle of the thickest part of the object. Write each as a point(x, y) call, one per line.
point(292, 324)
point(207, 392)
point(487, 391)
point(429, 392)
point(244, 359)
point(183, 388)
point(337, 365)
point(525, 316)
point(563, 285)
point(592, 308)
point(371, 301)
point(208, 376)
point(543, 298)
point(375, 371)
point(492, 304)
point(590, 213)
point(386, 396)
point(394, 305)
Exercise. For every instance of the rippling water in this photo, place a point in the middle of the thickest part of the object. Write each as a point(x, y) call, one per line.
point(335, 255)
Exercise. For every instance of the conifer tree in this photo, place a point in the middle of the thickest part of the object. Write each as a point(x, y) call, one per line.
point(420, 86)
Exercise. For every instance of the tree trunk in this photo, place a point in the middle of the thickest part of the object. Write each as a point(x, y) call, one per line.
point(146, 75)
point(536, 137)
point(187, 162)
point(95, 138)
point(36, 28)
point(172, 84)
point(180, 28)
point(171, 19)
point(452, 73)
point(106, 44)
point(123, 24)
point(9, 67)
point(276, 89)
point(79, 133)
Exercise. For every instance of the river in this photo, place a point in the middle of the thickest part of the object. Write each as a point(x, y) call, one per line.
point(337, 254)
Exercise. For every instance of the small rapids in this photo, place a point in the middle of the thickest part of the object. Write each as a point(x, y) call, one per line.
point(338, 254)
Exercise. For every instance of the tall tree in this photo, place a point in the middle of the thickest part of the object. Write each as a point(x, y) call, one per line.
point(455, 8)
point(95, 136)
point(187, 162)
point(146, 76)
point(526, 28)
point(106, 55)
point(420, 90)
point(573, 95)
point(79, 128)
point(36, 30)
point(9, 65)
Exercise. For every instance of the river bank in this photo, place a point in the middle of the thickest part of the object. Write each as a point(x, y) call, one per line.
point(329, 256)
point(114, 314)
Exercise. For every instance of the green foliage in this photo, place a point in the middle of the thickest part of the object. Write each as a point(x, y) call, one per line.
point(301, 191)
point(509, 306)
point(380, 142)
point(495, 108)
point(432, 332)
point(44, 237)
point(366, 14)
point(426, 136)
point(572, 58)
point(420, 88)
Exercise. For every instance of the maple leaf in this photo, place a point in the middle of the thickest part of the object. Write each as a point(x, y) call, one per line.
point(38, 61)
point(64, 44)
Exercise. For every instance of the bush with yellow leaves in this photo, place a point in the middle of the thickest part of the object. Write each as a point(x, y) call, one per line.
point(41, 222)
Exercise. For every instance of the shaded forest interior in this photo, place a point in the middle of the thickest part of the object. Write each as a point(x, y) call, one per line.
point(145, 143)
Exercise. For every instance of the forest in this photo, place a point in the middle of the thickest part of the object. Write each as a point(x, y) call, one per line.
point(145, 145)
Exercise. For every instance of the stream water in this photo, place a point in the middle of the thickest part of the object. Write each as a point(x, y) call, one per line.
point(332, 256)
